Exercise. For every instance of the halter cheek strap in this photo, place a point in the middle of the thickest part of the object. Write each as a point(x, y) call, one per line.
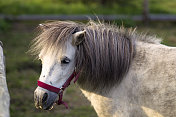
point(59, 91)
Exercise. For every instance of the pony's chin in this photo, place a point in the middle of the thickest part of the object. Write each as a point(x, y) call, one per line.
point(49, 108)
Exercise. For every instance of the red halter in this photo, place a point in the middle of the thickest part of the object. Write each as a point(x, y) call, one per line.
point(59, 91)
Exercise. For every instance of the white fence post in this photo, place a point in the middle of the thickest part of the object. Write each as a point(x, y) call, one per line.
point(4, 94)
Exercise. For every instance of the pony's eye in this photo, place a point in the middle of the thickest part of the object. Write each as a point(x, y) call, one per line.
point(65, 60)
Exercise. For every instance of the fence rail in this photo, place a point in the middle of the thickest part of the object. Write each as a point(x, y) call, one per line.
point(152, 17)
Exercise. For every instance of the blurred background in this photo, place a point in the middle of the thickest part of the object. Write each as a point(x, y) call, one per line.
point(18, 22)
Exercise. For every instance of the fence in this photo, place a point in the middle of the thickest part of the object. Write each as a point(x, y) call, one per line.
point(151, 17)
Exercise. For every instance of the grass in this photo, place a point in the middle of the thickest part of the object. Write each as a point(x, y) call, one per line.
point(163, 6)
point(23, 72)
point(16, 7)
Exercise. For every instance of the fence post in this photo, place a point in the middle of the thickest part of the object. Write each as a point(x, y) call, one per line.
point(146, 16)
point(4, 94)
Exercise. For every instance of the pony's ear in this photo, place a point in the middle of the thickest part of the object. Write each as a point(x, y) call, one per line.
point(43, 27)
point(78, 37)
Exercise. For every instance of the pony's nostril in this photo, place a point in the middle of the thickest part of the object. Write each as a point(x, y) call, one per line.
point(45, 96)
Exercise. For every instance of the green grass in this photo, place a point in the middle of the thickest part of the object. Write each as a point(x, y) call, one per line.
point(163, 6)
point(23, 72)
point(17, 7)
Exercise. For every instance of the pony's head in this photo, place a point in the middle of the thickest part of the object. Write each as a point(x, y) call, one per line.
point(102, 53)
point(56, 48)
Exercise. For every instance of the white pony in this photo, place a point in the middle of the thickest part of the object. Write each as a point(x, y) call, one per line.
point(122, 73)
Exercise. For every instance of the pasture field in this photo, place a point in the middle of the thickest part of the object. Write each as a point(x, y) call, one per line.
point(23, 71)
point(17, 7)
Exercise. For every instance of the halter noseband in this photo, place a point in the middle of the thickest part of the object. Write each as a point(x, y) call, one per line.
point(59, 91)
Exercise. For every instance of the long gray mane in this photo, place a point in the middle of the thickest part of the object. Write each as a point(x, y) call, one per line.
point(103, 58)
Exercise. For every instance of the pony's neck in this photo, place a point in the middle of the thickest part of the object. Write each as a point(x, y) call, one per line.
point(104, 58)
point(122, 97)
point(114, 102)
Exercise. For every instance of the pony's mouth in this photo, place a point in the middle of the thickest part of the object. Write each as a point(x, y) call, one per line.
point(45, 107)
point(50, 107)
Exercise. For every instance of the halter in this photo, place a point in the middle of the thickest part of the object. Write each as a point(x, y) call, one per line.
point(59, 91)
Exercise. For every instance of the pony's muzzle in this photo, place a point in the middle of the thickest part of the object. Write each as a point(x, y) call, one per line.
point(44, 99)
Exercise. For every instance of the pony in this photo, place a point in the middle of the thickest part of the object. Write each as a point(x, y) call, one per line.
point(121, 72)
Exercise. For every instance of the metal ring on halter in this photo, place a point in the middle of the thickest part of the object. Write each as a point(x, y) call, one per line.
point(61, 90)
